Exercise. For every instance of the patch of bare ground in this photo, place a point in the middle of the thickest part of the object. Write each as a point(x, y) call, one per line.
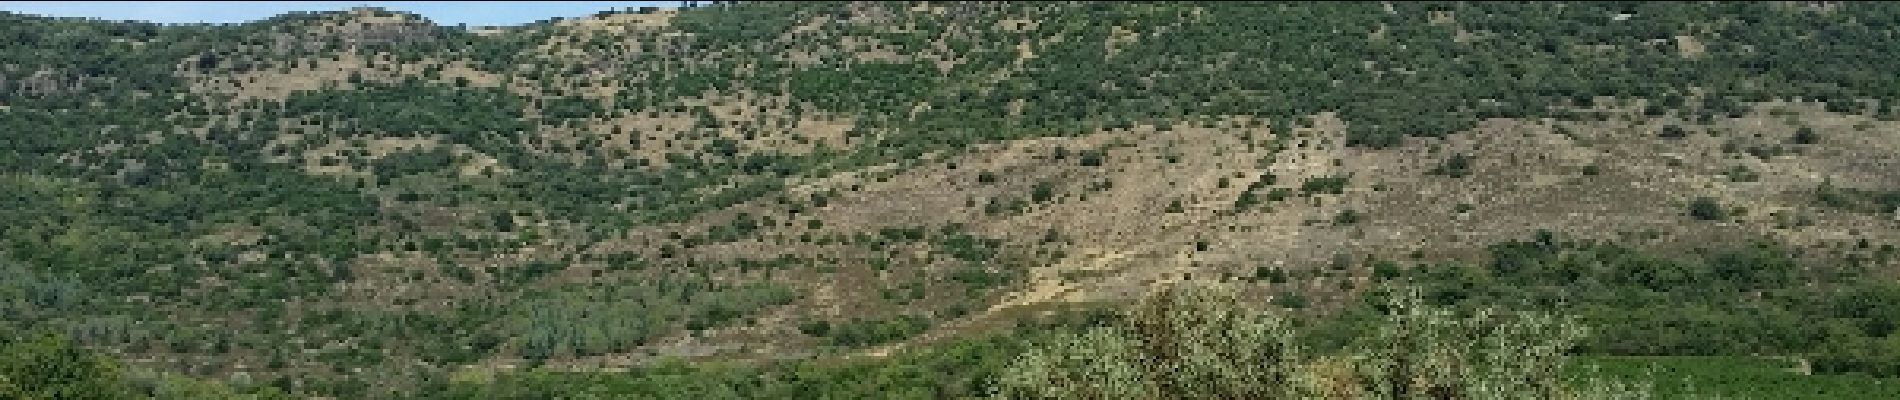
point(623, 22)
point(1118, 37)
point(1689, 46)
point(331, 158)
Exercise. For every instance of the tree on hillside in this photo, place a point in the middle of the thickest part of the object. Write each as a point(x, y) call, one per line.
point(1707, 209)
point(45, 366)
point(1174, 343)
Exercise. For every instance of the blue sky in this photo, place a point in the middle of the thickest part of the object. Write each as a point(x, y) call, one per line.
point(473, 13)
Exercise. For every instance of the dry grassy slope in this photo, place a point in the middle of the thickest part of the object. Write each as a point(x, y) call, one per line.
point(359, 26)
point(1527, 176)
point(759, 122)
point(319, 73)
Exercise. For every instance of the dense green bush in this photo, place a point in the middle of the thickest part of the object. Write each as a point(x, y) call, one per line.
point(1458, 166)
point(1325, 185)
point(600, 319)
point(45, 366)
point(1707, 209)
point(857, 333)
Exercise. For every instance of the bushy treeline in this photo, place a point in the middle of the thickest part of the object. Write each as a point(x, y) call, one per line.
point(961, 369)
point(1740, 300)
point(603, 319)
point(1737, 299)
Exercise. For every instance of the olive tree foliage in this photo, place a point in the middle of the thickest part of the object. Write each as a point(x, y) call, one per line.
point(1176, 343)
point(1203, 343)
point(1102, 363)
point(1425, 352)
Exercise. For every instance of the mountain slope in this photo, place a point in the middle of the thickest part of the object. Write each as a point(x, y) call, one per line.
point(316, 193)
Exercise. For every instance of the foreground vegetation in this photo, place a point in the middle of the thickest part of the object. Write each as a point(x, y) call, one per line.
point(1185, 342)
point(1100, 355)
point(42, 365)
point(1189, 343)
point(1734, 377)
point(1742, 299)
point(1632, 300)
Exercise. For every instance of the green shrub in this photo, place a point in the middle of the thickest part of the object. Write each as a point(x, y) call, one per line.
point(1347, 217)
point(1673, 132)
point(1328, 185)
point(1805, 135)
point(877, 331)
point(1458, 166)
point(1707, 209)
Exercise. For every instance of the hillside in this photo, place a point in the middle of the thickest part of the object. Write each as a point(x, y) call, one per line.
point(341, 202)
